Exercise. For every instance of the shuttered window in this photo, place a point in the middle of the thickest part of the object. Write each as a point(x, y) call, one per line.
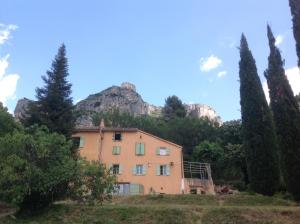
point(81, 142)
point(116, 150)
point(162, 151)
point(140, 148)
point(136, 188)
point(115, 168)
point(139, 169)
point(163, 170)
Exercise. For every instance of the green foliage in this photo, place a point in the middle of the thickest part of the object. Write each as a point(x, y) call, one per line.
point(295, 9)
point(7, 122)
point(230, 132)
point(236, 166)
point(54, 106)
point(209, 152)
point(93, 183)
point(173, 108)
point(257, 126)
point(34, 166)
point(213, 153)
point(298, 98)
point(186, 131)
point(287, 118)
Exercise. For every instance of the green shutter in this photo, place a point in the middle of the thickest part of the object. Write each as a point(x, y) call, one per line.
point(168, 151)
point(137, 148)
point(119, 150)
point(144, 169)
point(114, 150)
point(120, 169)
point(142, 148)
point(158, 151)
point(134, 170)
point(168, 170)
point(134, 188)
point(109, 167)
point(158, 170)
point(81, 142)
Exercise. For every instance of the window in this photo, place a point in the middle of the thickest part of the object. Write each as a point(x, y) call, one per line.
point(116, 150)
point(116, 169)
point(117, 136)
point(76, 142)
point(139, 169)
point(140, 149)
point(81, 143)
point(163, 170)
point(162, 151)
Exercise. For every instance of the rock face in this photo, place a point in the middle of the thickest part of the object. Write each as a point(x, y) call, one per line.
point(125, 99)
point(201, 110)
point(21, 107)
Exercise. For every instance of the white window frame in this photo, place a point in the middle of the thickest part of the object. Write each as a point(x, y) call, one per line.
point(139, 169)
point(162, 151)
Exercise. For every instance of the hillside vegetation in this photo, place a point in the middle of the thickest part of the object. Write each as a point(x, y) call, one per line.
point(238, 209)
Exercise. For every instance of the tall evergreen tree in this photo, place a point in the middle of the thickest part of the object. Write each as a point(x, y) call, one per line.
point(173, 108)
point(295, 11)
point(54, 104)
point(259, 136)
point(286, 116)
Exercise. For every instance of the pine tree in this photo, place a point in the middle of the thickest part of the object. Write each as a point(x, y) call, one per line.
point(54, 105)
point(259, 136)
point(295, 11)
point(286, 116)
point(173, 108)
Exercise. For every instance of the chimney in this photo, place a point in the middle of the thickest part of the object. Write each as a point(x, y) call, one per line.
point(102, 125)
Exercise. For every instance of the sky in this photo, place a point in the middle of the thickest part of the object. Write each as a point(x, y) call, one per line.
point(184, 48)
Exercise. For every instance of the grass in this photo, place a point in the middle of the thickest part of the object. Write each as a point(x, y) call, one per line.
point(185, 209)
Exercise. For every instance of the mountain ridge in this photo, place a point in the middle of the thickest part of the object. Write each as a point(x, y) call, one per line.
point(126, 99)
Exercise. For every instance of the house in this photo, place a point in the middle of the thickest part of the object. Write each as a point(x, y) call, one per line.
point(142, 162)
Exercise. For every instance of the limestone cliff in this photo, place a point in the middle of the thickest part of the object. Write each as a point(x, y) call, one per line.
point(125, 99)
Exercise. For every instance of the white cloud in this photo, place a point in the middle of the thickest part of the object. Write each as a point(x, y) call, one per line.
point(210, 63)
point(279, 40)
point(8, 82)
point(5, 31)
point(222, 74)
point(293, 75)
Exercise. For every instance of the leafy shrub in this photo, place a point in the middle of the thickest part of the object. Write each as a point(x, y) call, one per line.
point(35, 167)
point(93, 183)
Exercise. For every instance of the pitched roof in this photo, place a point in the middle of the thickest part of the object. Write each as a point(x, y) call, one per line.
point(97, 129)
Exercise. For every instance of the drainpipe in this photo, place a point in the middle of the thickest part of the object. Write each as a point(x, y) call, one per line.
point(182, 173)
point(101, 126)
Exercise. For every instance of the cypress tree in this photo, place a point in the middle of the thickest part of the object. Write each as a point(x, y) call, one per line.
point(295, 11)
point(54, 104)
point(259, 138)
point(286, 116)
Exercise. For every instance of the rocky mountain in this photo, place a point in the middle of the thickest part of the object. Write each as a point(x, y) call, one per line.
point(125, 99)
point(20, 110)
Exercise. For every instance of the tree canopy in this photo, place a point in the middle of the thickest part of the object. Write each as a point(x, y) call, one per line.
point(54, 105)
point(259, 138)
point(173, 108)
point(287, 117)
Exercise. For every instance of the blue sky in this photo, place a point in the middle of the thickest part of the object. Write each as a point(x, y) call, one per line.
point(184, 48)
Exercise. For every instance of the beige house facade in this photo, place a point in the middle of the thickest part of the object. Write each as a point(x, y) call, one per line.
point(143, 163)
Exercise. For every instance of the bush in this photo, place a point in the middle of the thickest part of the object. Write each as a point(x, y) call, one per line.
point(93, 184)
point(35, 167)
